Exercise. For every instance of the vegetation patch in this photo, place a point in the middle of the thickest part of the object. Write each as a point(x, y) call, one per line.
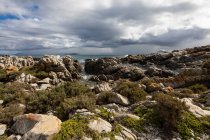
point(198, 88)
point(132, 91)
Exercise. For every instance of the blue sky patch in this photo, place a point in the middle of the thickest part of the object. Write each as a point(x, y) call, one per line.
point(9, 17)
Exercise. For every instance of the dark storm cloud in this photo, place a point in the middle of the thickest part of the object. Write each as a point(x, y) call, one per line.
point(175, 37)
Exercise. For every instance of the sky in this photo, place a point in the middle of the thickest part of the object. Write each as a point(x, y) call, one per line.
point(97, 27)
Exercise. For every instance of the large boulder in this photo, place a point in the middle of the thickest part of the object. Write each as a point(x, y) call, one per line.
point(36, 126)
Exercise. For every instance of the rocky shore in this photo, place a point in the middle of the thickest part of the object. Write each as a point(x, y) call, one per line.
point(158, 96)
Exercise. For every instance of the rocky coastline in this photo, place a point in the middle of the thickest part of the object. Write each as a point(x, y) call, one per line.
point(156, 96)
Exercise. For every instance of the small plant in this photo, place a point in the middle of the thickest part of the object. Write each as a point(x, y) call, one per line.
point(33, 71)
point(169, 109)
point(43, 101)
point(105, 114)
point(8, 113)
point(132, 91)
point(206, 64)
point(198, 88)
point(135, 124)
point(72, 104)
point(105, 98)
point(75, 89)
point(74, 128)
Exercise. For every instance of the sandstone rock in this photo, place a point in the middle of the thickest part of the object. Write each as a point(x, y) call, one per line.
point(36, 126)
point(196, 110)
point(102, 87)
point(3, 128)
point(100, 125)
point(11, 69)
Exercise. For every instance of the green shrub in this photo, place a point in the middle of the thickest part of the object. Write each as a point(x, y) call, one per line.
point(74, 128)
point(132, 91)
point(206, 64)
point(3, 137)
point(105, 114)
point(75, 89)
point(105, 98)
point(79, 102)
point(13, 92)
point(131, 123)
point(43, 101)
point(169, 109)
point(33, 71)
point(187, 124)
point(184, 93)
point(9, 112)
point(198, 88)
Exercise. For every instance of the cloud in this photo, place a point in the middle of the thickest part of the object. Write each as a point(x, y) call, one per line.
point(174, 37)
point(111, 26)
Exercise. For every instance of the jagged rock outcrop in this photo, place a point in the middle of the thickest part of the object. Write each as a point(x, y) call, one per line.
point(111, 69)
point(36, 126)
point(19, 62)
point(65, 68)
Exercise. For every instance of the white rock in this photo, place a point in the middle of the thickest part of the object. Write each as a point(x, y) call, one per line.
point(44, 86)
point(128, 133)
point(1, 102)
point(100, 125)
point(196, 110)
point(44, 81)
point(3, 128)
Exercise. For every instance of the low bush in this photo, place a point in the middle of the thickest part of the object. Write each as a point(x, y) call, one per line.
point(206, 64)
point(134, 124)
point(183, 93)
point(198, 88)
point(105, 98)
point(105, 114)
point(9, 112)
point(132, 91)
point(43, 101)
point(75, 89)
point(169, 109)
point(74, 129)
point(33, 71)
point(69, 105)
